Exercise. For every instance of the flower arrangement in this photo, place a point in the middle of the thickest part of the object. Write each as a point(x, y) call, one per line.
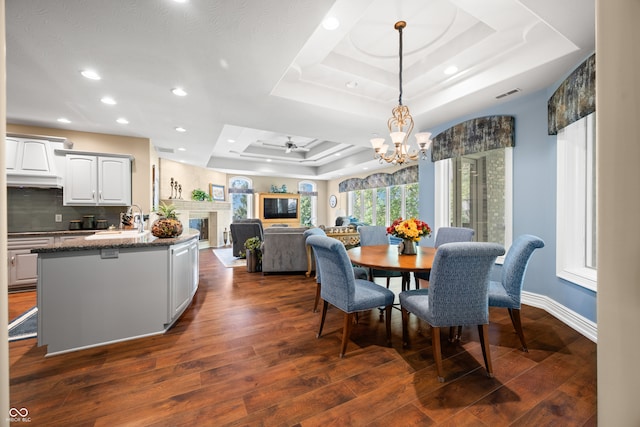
point(411, 229)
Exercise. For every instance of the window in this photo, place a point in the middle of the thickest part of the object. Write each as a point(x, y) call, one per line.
point(380, 206)
point(241, 192)
point(474, 191)
point(308, 203)
point(576, 203)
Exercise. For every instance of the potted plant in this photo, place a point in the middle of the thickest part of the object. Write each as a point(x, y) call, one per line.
point(254, 254)
point(200, 195)
point(168, 224)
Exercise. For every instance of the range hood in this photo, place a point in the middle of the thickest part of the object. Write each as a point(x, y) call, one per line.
point(34, 180)
point(31, 161)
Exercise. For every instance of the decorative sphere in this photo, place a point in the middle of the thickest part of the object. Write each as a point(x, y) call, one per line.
point(166, 227)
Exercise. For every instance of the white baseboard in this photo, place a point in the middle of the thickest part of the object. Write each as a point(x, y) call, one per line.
point(572, 319)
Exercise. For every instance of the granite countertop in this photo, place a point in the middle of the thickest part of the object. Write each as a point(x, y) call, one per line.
point(51, 233)
point(148, 240)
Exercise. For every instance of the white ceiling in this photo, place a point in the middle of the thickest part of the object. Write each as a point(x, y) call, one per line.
point(257, 72)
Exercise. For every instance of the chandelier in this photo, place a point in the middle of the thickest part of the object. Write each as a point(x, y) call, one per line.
point(400, 125)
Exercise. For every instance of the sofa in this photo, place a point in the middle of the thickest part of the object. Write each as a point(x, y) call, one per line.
point(241, 230)
point(284, 250)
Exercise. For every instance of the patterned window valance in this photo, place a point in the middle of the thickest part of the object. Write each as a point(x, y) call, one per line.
point(575, 98)
point(308, 193)
point(474, 136)
point(241, 190)
point(407, 175)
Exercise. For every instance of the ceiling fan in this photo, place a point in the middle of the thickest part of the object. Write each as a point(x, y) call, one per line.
point(291, 146)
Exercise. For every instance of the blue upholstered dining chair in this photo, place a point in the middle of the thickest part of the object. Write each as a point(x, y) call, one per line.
point(457, 295)
point(446, 235)
point(372, 235)
point(359, 272)
point(341, 289)
point(506, 293)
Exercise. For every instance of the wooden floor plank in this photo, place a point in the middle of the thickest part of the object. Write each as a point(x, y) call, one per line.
point(245, 353)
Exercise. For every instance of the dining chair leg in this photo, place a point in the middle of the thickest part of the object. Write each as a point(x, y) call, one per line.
point(324, 314)
point(315, 304)
point(388, 323)
point(483, 331)
point(455, 333)
point(514, 313)
point(388, 281)
point(405, 326)
point(437, 352)
point(346, 331)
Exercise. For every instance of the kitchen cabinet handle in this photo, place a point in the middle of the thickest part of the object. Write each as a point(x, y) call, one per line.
point(13, 261)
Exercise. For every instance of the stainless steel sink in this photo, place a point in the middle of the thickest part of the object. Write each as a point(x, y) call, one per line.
point(117, 234)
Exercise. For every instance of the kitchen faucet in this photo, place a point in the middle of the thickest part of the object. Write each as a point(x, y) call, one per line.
point(140, 218)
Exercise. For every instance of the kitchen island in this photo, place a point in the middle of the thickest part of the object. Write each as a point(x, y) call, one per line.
point(103, 289)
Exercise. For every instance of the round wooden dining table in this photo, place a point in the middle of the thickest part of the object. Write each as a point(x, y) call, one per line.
point(386, 257)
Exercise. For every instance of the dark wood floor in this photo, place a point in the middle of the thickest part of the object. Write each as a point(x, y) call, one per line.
point(245, 353)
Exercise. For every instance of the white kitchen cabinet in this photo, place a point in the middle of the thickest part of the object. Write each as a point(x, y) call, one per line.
point(183, 277)
point(97, 180)
point(23, 265)
point(31, 162)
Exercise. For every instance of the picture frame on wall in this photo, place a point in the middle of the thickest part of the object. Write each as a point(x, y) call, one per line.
point(216, 192)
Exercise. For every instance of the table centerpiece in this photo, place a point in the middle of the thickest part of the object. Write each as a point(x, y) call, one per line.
point(410, 230)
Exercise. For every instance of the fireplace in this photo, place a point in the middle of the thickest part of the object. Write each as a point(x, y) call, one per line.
point(210, 218)
point(202, 225)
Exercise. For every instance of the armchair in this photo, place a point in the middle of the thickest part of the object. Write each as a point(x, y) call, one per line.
point(507, 292)
point(457, 295)
point(447, 235)
point(243, 229)
point(359, 272)
point(341, 289)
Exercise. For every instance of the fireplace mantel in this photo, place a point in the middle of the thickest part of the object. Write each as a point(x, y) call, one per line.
point(197, 206)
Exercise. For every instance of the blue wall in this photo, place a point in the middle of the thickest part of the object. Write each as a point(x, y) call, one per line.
point(534, 197)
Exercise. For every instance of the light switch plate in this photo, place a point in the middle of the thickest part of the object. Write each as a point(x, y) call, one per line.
point(58, 217)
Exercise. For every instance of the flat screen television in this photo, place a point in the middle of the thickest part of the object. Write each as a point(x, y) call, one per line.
point(280, 208)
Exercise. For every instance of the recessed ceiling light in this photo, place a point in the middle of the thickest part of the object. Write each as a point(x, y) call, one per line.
point(182, 149)
point(64, 120)
point(231, 141)
point(122, 121)
point(108, 100)
point(330, 23)
point(451, 69)
point(180, 1)
point(365, 168)
point(352, 84)
point(178, 91)
point(180, 129)
point(268, 160)
point(337, 154)
point(90, 74)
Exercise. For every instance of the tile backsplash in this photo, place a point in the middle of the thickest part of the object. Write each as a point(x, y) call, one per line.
point(34, 209)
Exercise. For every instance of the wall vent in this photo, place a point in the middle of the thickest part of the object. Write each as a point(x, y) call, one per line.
point(511, 92)
point(165, 150)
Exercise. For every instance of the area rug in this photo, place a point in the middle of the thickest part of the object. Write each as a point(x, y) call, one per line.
point(24, 326)
point(225, 255)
